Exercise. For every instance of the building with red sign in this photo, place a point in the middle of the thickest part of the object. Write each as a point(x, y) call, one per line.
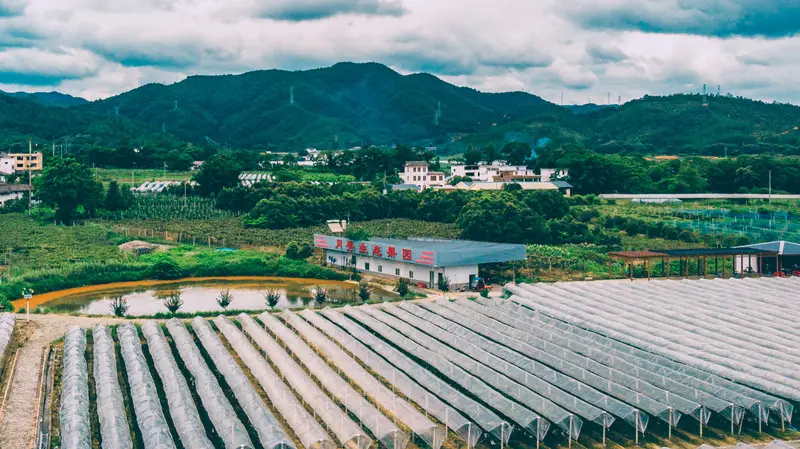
point(419, 260)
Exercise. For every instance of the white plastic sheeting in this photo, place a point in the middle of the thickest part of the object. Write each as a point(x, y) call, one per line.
point(520, 414)
point(153, 427)
point(114, 428)
point(432, 434)
point(308, 431)
point(6, 329)
point(507, 377)
point(270, 433)
point(389, 434)
point(526, 319)
point(347, 432)
point(653, 338)
point(182, 408)
point(74, 413)
point(680, 379)
point(409, 378)
point(572, 388)
point(219, 409)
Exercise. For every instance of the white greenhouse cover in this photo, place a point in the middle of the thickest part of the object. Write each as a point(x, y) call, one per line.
point(308, 431)
point(520, 414)
point(432, 434)
point(389, 434)
point(408, 377)
point(7, 321)
point(269, 430)
point(74, 413)
point(213, 399)
point(182, 408)
point(153, 426)
point(347, 432)
point(114, 428)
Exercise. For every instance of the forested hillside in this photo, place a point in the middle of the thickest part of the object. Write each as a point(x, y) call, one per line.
point(48, 98)
point(369, 104)
point(358, 104)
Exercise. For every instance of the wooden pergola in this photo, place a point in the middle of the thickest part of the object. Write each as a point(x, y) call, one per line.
point(685, 256)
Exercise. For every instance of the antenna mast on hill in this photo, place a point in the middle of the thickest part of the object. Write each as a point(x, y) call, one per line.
point(176, 105)
point(619, 100)
point(705, 96)
point(116, 110)
point(562, 98)
point(291, 96)
point(438, 114)
point(719, 90)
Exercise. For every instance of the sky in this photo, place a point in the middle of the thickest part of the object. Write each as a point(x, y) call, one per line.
point(587, 50)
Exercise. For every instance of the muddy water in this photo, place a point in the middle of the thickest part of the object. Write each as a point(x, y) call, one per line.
point(198, 295)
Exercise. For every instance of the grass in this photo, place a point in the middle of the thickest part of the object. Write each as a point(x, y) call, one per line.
point(140, 175)
point(232, 232)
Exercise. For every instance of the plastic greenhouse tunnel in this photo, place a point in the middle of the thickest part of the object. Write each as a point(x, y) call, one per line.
point(114, 428)
point(74, 413)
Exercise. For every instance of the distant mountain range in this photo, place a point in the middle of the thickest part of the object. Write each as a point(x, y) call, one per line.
point(361, 104)
point(48, 98)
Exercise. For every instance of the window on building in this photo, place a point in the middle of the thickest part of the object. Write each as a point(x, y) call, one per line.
point(366, 266)
point(397, 272)
point(411, 274)
point(380, 268)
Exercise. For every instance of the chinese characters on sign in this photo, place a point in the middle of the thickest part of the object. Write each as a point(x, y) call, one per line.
point(375, 249)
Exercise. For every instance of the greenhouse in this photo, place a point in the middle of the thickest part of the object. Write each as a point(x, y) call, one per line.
point(596, 362)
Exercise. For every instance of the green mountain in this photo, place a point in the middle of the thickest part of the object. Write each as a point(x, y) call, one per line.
point(357, 104)
point(48, 98)
point(23, 119)
point(684, 124)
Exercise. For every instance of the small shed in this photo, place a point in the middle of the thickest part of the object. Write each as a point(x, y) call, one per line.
point(787, 262)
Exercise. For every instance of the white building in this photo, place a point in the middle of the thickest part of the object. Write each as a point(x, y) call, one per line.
point(418, 174)
point(497, 171)
point(7, 164)
point(553, 174)
point(422, 261)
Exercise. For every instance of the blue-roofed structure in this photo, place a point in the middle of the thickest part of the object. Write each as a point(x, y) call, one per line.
point(419, 260)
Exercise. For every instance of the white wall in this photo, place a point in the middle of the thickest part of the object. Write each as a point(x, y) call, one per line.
point(9, 196)
point(7, 166)
point(416, 273)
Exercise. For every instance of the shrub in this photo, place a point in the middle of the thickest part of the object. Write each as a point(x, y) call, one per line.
point(225, 298)
point(119, 305)
point(272, 296)
point(292, 251)
point(166, 268)
point(402, 287)
point(484, 293)
point(444, 284)
point(364, 291)
point(173, 302)
point(321, 295)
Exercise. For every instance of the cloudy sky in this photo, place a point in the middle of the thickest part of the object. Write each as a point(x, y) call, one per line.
point(586, 49)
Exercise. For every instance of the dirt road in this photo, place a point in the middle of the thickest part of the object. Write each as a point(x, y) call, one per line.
point(18, 423)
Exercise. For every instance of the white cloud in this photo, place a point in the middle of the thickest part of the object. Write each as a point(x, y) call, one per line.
point(97, 48)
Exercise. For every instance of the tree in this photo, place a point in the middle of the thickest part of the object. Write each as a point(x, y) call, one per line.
point(443, 284)
point(490, 153)
point(457, 179)
point(114, 201)
point(512, 187)
point(473, 155)
point(517, 153)
point(500, 217)
point(305, 252)
point(66, 184)
point(220, 171)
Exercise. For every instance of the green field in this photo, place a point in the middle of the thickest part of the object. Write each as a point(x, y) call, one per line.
point(140, 175)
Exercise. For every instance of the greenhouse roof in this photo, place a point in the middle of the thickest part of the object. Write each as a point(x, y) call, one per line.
point(781, 247)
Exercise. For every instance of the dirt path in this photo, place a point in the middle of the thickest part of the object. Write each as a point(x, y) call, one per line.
point(19, 419)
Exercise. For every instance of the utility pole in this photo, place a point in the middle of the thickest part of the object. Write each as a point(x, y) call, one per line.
point(770, 187)
point(30, 179)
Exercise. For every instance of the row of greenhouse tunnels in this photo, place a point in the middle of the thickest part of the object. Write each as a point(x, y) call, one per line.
point(670, 363)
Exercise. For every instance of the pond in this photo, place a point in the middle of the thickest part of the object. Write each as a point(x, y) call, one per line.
point(147, 298)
